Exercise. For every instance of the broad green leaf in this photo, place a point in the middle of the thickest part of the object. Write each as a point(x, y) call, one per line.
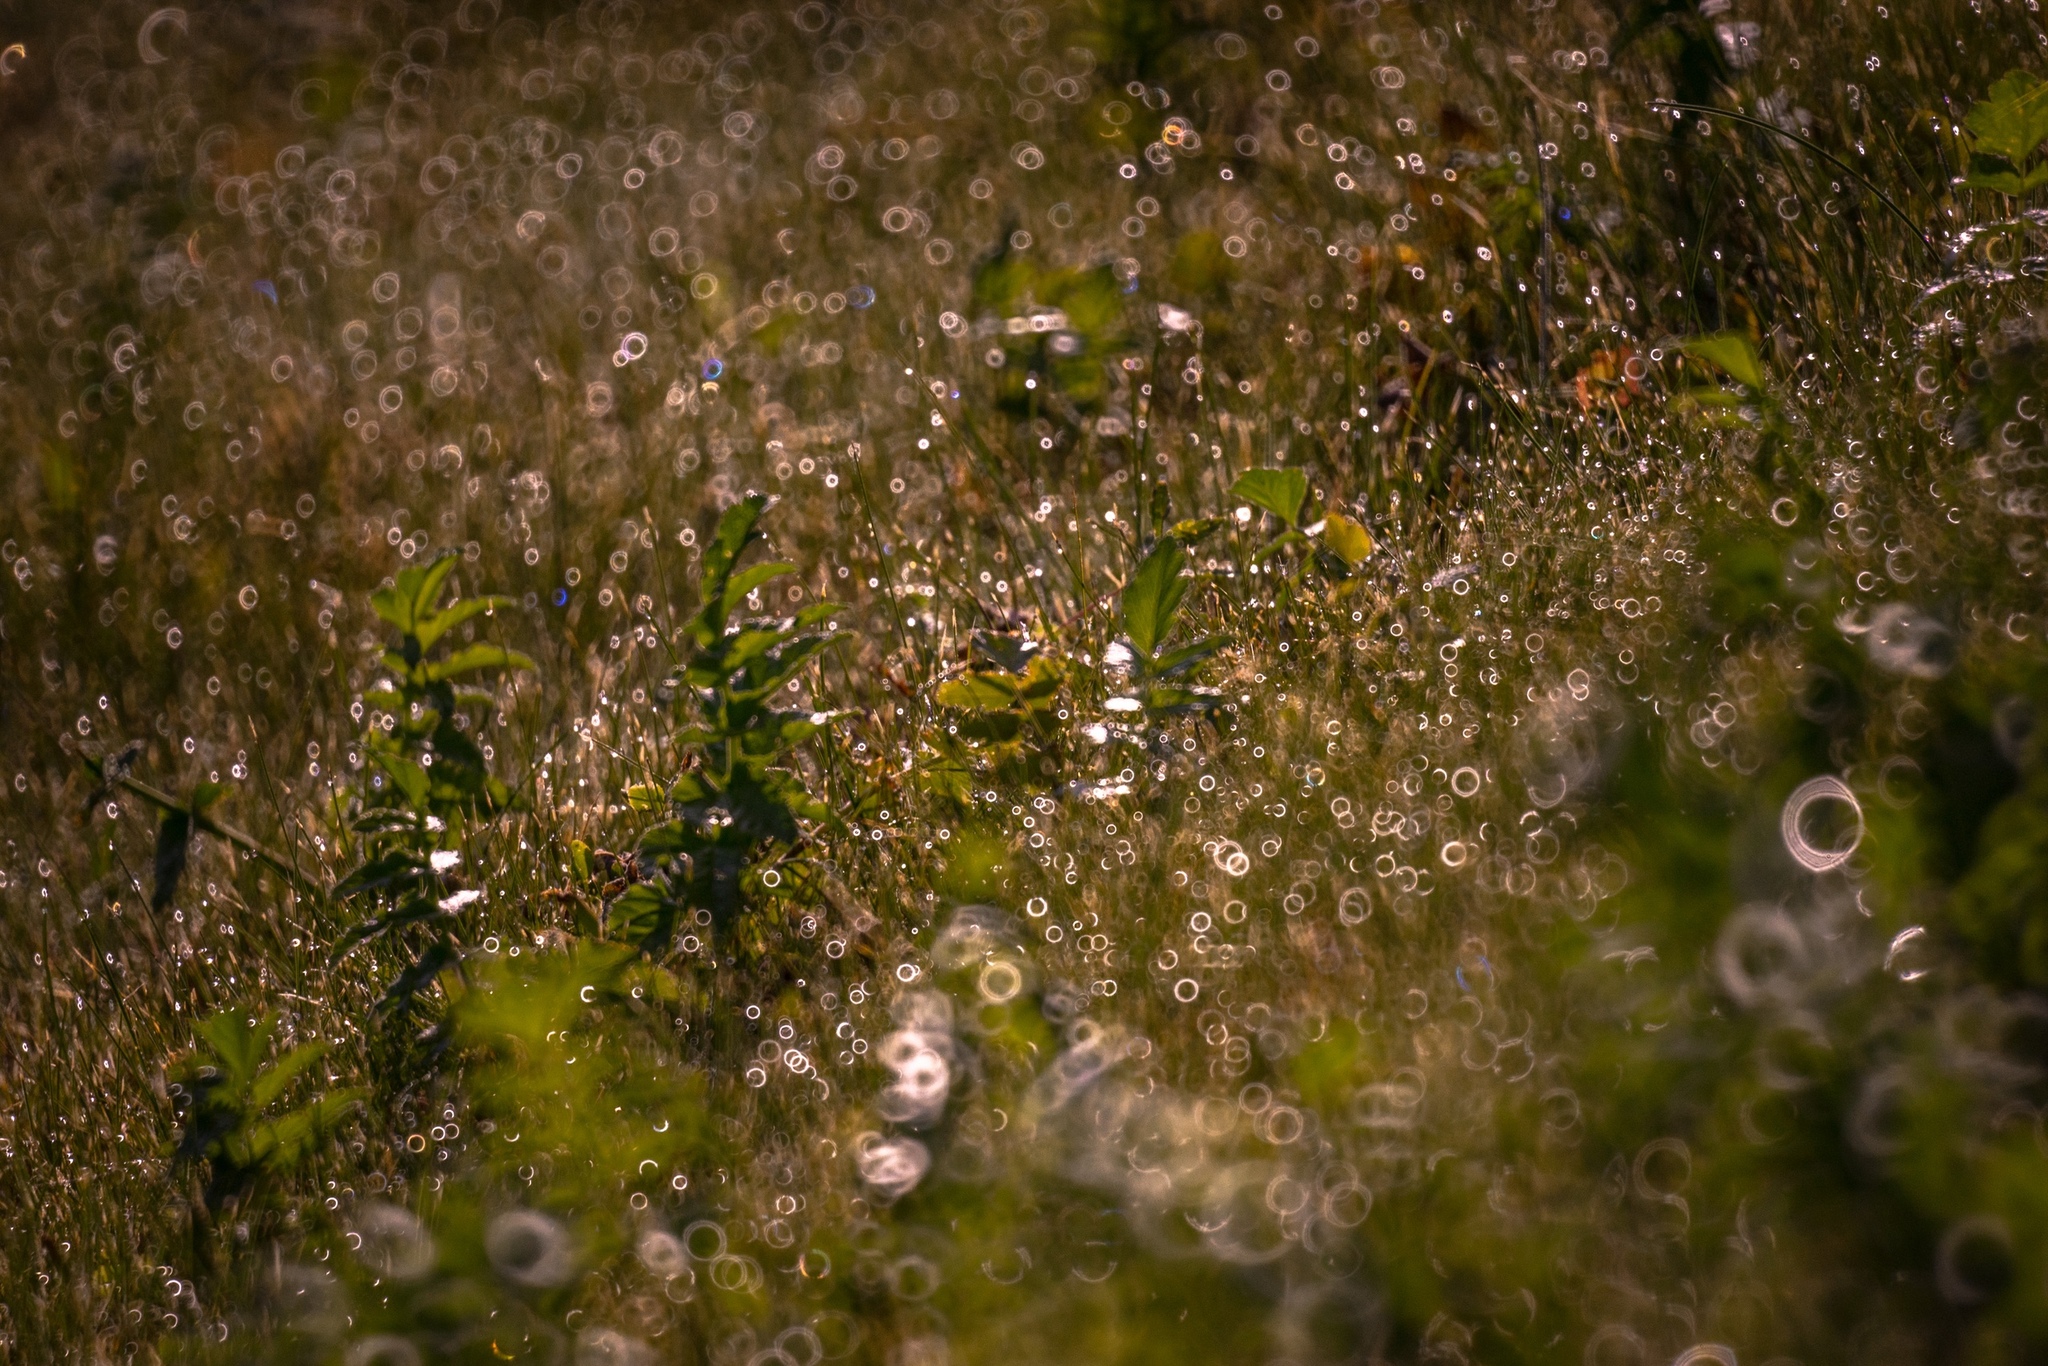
point(750, 578)
point(640, 915)
point(426, 584)
point(1006, 650)
point(991, 727)
point(1042, 679)
point(978, 692)
point(1349, 539)
point(408, 777)
point(272, 1083)
point(1280, 492)
point(438, 625)
point(1993, 173)
point(1153, 597)
point(746, 647)
point(1181, 660)
point(735, 532)
point(2012, 119)
point(765, 675)
point(1173, 698)
point(394, 606)
point(1731, 353)
point(472, 658)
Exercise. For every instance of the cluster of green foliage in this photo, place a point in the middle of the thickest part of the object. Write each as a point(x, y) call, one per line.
point(429, 781)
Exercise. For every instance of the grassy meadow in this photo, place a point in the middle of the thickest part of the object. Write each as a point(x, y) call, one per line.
point(1068, 681)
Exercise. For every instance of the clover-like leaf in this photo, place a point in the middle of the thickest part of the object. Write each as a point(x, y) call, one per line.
point(1280, 492)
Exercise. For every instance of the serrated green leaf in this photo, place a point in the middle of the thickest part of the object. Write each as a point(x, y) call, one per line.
point(1280, 492)
point(2012, 119)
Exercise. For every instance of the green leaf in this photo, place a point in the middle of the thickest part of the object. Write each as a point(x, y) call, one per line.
point(236, 1044)
point(412, 595)
point(1995, 173)
point(750, 578)
point(1348, 539)
point(282, 1073)
point(1280, 492)
point(1168, 698)
point(1007, 650)
point(424, 584)
point(1041, 683)
point(408, 777)
point(394, 606)
point(473, 658)
point(1153, 597)
point(1279, 543)
point(1196, 529)
point(438, 625)
point(978, 692)
point(2012, 119)
point(1731, 353)
point(1181, 660)
point(735, 532)
point(641, 916)
point(778, 666)
point(991, 727)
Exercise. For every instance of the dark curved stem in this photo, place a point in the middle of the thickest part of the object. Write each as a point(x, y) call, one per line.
point(1708, 110)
